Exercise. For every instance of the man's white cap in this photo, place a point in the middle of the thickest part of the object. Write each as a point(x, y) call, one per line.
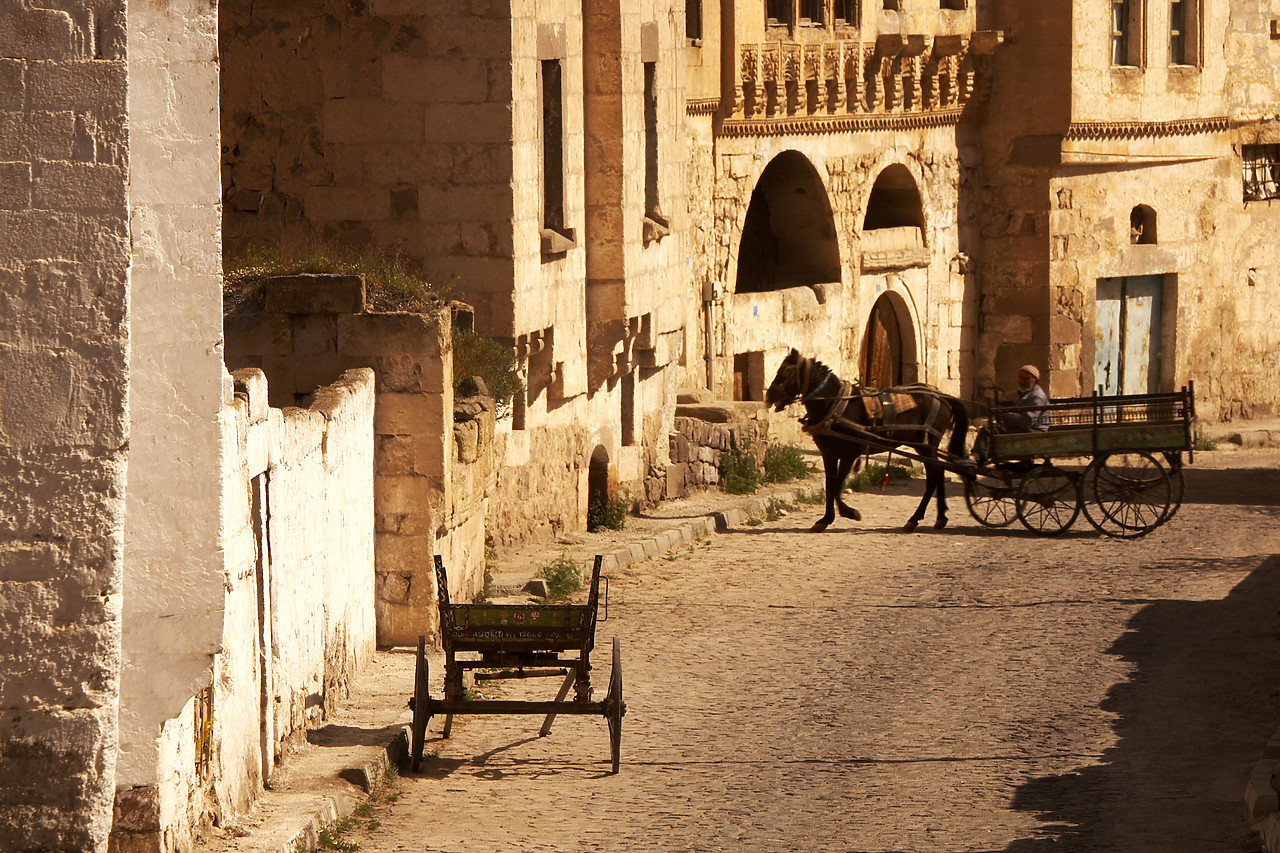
point(1032, 369)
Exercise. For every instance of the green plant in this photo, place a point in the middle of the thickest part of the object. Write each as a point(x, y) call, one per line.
point(874, 475)
point(605, 511)
point(331, 836)
point(777, 508)
point(394, 282)
point(754, 522)
point(811, 496)
point(1204, 442)
point(363, 810)
point(478, 355)
point(563, 577)
point(739, 473)
point(784, 463)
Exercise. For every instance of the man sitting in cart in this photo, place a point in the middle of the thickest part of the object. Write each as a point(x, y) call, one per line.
point(1032, 398)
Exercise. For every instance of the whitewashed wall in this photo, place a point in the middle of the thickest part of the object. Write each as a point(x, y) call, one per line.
point(299, 487)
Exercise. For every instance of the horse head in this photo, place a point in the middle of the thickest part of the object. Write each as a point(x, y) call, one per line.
point(786, 388)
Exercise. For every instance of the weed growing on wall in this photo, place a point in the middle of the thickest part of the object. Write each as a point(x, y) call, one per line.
point(784, 463)
point(477, 355)
point(393, 281)
point(607, 512)
point(739, 474)
point(563, 577)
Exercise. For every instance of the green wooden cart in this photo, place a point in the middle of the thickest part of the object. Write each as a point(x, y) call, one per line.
point(517, 641)
point(1118, 459)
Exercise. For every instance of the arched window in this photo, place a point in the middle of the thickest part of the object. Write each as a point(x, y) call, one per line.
point(1142, 225)
point(789, 236)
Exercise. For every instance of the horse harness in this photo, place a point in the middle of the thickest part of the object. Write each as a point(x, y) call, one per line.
point(882, 409)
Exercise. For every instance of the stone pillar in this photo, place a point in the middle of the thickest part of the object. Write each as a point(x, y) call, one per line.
point(64, 378)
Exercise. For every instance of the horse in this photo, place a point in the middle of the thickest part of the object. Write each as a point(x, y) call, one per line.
point(844, 419)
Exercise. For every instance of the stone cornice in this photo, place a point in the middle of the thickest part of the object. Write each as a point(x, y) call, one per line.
point(1146, 129)
point(701, 106)
point(864, 123)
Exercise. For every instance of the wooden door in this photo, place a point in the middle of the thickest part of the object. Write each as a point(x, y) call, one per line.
point(1127, 335)
point(883, 366)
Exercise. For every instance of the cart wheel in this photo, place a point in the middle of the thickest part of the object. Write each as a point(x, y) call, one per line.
point(1127, 495)
point(421, 705)
point(991, 500)
point(614, 707)
point(1048, 500)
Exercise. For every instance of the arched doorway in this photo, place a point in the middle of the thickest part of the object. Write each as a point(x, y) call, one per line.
point(882, 365)
point(889, 347)
point(597, 486)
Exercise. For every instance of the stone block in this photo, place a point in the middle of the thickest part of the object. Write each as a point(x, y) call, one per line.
point(37, 135)
point(357, 120)
point(1260, 796)
point(77, 85)
point(313, 334)
point(456, 81)
point(15, 186)
point(257, 334)
point(342, 204)
point(37, 34)
point(79, 187)
point(408, 414)
point(393, 335)
point(315, 294)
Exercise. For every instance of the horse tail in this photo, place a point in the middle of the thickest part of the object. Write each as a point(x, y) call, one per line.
point(959, 427)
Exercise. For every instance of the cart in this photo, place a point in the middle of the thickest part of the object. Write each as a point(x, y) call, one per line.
point(1117, 458)
point(517, 641)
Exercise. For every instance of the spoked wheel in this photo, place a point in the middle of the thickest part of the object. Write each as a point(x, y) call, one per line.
point(1128, 495)
point(1048, 500)
point(421, 703)
point(614, 707)
point(991, 500)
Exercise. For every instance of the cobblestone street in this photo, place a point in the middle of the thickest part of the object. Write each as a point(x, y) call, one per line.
point(868, 690)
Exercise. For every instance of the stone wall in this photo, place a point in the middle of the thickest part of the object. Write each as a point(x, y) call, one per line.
point(308, 331)
point(697, 447)
point(64, 434)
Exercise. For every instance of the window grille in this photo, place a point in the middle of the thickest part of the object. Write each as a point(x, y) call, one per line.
point(845, 12)
point(1261, 172)
point(777, 13)
point(811, 12)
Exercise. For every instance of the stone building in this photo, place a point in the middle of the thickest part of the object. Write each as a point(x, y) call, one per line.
point(1128, 177)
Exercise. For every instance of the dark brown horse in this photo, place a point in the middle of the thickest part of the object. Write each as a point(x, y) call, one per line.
point(845, 419)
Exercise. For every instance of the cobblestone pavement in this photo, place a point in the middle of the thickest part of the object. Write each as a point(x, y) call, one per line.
point(868, 690)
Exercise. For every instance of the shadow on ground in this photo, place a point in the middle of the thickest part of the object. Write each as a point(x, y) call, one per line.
point(1240, 486)
point(1191, 721)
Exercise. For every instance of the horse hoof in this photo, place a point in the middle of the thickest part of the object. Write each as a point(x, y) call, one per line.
point(819, 526)
point(850, 512)
point(939, 524)
point(910, 526)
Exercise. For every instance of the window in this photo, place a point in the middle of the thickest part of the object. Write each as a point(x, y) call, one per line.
point(1178, 33)
point(957, 5)
point(1142, 225)
point(693, 20)
point(845, 12)
point(655, 225)
point(777, 13)
point(1261, 171)
point(811, 12)
point(556, 238)
point(891, 5)
point(1120, 32)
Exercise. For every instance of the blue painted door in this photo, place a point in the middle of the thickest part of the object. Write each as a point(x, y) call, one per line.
point(1127, 335)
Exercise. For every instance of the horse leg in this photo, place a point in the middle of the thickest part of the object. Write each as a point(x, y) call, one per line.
point(929, 485)
point(941, 521)
point(830, 467)
point(846, 464)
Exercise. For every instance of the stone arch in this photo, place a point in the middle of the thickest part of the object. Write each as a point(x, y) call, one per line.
point(789, 236)
point(895, 201)
point(1142, 225)
point(597, 480)
point(889, 354)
